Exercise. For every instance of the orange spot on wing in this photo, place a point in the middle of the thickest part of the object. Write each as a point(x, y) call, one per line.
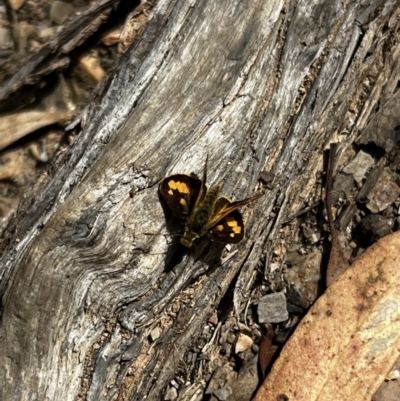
point(233, 225)
point(181, 187)
point(231, 222)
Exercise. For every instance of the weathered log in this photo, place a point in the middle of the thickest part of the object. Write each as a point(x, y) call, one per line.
point(255, 85)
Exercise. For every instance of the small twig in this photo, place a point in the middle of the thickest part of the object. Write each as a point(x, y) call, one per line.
point(208, 345)
point(337, 263)
point(301, 212)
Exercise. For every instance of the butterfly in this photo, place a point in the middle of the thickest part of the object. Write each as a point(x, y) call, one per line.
point(204, 212)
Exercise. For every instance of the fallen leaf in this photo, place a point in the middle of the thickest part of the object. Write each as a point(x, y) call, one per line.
point(15, 126)
point(266, 351)
point(90, 64)
point(350, 339)
point(243, 343)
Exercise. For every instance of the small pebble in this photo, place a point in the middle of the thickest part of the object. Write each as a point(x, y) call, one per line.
point(359, 166)
point(243, 343)
point(272, 308)
point(60, 12)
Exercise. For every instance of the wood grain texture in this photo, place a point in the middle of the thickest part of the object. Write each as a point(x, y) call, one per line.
point(254, 85)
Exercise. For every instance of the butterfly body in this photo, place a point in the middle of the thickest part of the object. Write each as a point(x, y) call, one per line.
point(203, 211)
point(196, 225)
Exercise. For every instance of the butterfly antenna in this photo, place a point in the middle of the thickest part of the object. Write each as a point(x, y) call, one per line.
point(166, 234)
point(205, 171)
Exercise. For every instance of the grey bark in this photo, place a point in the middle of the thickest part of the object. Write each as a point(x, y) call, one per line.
point(254, 84)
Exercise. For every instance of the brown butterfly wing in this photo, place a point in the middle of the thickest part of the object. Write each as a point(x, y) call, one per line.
point(224, 206)
point(181, 192)
point(229, 229)
point(227, 224)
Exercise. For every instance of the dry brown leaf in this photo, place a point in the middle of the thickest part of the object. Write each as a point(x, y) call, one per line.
point(243, 343)
point(12, 166)
point(266, 348)
point(111, 37)
point(350, 339)
point(90, 64)
point(16, 4)
point(15, 126)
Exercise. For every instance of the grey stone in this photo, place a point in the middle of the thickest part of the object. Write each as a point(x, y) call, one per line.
point(359, 166)
point(272, 308)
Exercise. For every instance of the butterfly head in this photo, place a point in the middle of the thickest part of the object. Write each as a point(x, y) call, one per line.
point(188, 238)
